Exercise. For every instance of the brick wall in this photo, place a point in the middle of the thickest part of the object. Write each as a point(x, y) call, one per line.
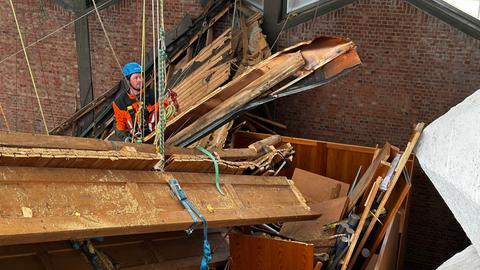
point(415, 67)
point(54, 61)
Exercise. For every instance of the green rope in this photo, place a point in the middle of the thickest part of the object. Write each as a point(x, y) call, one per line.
point(215, 164)
point(160, 129)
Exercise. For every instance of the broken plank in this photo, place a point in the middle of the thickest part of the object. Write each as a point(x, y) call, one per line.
point(312, 231)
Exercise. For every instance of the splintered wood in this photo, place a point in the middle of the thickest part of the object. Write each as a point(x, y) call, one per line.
point(264, 157)
point(21, 149)
point(354, 223)
point(81, 203)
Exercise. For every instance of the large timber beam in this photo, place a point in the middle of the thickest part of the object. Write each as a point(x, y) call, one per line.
point(49, 204)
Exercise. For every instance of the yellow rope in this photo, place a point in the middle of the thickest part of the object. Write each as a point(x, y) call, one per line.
point(4, 117)
point(29, 68)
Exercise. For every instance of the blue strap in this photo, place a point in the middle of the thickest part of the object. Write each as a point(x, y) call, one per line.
point(193, 211)
point(215, 165)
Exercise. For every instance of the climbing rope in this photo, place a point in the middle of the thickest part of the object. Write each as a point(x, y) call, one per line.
point(160, 128)
point(29, 68)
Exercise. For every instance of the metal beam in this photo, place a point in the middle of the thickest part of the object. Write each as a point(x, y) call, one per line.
point(82, 42)
point(275, 17)
point(66, 4)
point(80, 9)
point(451, 15)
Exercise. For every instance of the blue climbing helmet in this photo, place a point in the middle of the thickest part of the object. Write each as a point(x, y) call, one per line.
point(131, 68)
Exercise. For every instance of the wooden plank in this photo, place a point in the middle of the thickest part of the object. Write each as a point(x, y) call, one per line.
point(312, 231)
point(365, 181)
point(363, 219)
point(125, 159)
point(398, 171)
point(374, 237)
point(317, 188)
point(251, 252)
point(81, 203)
point(387, 257)
point(29, 140)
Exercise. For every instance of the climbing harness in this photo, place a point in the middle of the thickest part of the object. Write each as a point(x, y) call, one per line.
point(193, 211)
point(215, 165)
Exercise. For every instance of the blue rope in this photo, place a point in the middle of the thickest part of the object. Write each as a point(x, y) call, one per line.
point(193, 211)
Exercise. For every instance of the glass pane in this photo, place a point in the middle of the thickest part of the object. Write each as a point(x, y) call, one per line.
point(293, 5)
point(471, 7)
point(256, 3)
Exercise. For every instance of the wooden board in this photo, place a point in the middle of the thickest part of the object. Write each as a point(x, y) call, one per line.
point(29, 140)
point(317, 188)
point(399, 192)
point(363, 218)
point(259, 253)
point(126, 159)
point(388, 255)
point(48, 204)
point(373, 237)
point(374, 170)
point(146, 251)
point(312, 231)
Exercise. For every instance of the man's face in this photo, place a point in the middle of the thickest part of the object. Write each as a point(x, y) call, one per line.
point(136, 82)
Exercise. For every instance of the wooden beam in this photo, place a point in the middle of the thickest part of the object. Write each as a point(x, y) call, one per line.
point(49, 204)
